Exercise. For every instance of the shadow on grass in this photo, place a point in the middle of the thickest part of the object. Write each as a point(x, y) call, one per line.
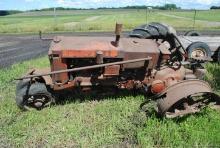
point(133, 122)
point(148, 107)
point(95, 94)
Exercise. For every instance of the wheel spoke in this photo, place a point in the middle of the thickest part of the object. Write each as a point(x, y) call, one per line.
point(192, 108)
point(181, 113)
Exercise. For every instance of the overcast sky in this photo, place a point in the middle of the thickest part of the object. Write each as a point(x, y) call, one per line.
point(37, 4)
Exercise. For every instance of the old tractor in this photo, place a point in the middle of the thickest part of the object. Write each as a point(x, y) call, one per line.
point(159, 66)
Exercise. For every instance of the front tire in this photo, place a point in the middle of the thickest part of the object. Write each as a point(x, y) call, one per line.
point(32, 95)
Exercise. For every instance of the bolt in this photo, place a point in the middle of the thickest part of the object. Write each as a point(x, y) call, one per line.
point(38, 104)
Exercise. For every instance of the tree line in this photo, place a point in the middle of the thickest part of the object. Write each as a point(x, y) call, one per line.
point(215, 7)
point(164, 7)
point(8, 12)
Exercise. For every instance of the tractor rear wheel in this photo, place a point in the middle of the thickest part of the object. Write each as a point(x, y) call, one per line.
point(32, 95)
point(155, 31)
point(186, 97)
point(191, 105)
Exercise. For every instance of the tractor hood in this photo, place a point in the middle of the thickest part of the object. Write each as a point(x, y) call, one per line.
point(87, 47)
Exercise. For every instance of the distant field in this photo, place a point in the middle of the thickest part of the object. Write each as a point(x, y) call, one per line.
point(211, 15)
point(103, 20)
point(111, 122)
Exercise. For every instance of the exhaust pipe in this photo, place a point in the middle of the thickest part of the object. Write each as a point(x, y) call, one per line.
point(118, 30)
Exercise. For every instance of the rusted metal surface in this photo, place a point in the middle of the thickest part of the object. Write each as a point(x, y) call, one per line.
point(87, 47)
point(167, 75)
point(83, 47)
point(157, 86)
point(112, 70)
point(177, 93)
point(99, 57)
point(47, 79)
point(118, 30)
point(86, 68)
point(57, 65)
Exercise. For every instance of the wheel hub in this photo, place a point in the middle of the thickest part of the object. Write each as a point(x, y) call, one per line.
point(38, 104)
point(37, 101)
point(199, 52)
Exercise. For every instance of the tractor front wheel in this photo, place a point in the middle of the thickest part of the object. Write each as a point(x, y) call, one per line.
point(32, 95)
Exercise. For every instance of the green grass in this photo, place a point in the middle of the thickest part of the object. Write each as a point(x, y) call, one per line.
point(100, 20)
point(111, 122)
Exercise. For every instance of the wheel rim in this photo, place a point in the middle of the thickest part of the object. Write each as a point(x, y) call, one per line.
point(191, 105)
point(185, 97)
point(37, 101)
point(198, 52)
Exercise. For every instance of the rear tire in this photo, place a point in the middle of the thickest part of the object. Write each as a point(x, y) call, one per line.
point(155, 31)
point(138, 33)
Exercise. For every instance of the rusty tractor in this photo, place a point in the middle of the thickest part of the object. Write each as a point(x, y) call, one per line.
point(158, 66)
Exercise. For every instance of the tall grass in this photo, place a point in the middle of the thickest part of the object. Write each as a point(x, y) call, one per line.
point(213, 76)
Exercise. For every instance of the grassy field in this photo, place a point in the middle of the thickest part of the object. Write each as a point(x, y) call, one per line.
point(211, 15)
point(103, 20)
point(110, 122)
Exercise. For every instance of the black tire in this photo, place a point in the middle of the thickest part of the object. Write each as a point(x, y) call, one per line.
point(201, 47)
point(138, 33)
point(192, 33)
point(21, 90)
point(24, 89)
point(153, 31)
